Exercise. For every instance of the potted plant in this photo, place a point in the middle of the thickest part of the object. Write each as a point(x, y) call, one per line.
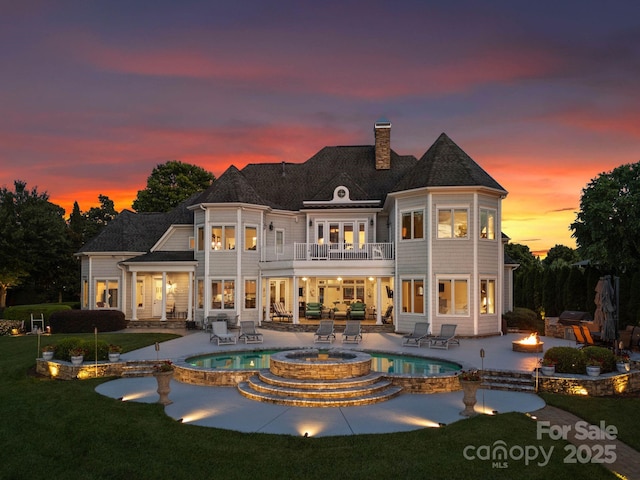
point(77, 355)
point(547, 366)
point(114, 353)
point(623, 364)
point(470, 382)
point(593, 367)
point(47, 352)
point(163, 372)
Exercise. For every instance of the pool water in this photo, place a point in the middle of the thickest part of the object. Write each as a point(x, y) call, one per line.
point(380, 362)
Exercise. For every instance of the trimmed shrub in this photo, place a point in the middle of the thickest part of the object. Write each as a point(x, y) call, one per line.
point(601, 355)
point(85, 321)
point(567, 359)
point(23, 312)
point(523, 319)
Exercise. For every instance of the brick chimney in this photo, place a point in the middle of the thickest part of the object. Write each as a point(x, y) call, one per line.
point(382, 132)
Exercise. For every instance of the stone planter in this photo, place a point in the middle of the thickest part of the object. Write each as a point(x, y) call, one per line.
point(77, 360)
point(593, 371)
point(623, 367)
point(114, 357)
point(164, 386)
point(47, 356)
point(469, 389)
point(548, 369)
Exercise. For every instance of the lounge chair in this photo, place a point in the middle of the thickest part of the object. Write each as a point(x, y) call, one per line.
point(206, 324)
point(588, 339)
point(352, 332)
point(280, 312)
point(324, 333)
point(420, 334)
point(387, 317)
point(447, 337)
point(357, 311)
point(248, 333)
point(220, 334)
point(313, 310)
point(577, 333)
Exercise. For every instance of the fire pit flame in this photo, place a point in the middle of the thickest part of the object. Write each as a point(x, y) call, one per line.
point(530, 344)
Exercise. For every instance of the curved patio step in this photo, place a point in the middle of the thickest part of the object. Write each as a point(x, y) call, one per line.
point(303, 391)
point(508, 380)
point(368, 399)
point(267, 377)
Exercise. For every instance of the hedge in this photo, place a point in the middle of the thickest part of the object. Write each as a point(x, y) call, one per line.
point(574, 360)
point(85, 321)
point(23, 312)
point(522, 319)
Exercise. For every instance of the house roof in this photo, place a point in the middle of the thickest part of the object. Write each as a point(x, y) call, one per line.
point(445, 164)
point(163, 256)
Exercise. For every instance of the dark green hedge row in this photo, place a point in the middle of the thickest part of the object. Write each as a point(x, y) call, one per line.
point(23, 312)
point(574, 360)
point(523, 319)
point(61, 350)
point(85, 321)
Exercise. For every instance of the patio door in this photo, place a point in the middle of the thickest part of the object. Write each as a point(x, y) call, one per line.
point(157, 298)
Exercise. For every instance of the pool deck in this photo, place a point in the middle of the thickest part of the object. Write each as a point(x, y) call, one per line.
point(224, 407)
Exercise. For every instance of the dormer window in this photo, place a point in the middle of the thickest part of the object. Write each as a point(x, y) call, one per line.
point(341, 194)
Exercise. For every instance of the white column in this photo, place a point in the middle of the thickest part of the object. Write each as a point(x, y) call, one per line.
point(134, 296)
point(380, 307)
point(296, 301)
point(190, 298)
point(163, 317)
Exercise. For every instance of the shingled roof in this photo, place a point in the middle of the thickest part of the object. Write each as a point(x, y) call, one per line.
point(445, 164)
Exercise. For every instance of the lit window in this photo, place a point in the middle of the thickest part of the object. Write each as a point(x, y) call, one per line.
point(222, 294)
point(250, 293)
point(107, 293)
point(250, 238)
point(200, 239)
point(413, 225)
point(200, 293)
point(413, 296)
point(487, 224)
point(487, 296)
point(453, 297)
point(223, 237)
point(452, 223)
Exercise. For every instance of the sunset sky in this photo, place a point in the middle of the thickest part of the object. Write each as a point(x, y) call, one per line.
point(543, 95)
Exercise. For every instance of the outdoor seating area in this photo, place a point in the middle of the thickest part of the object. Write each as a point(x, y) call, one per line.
point(325, 333)
point(220, 334)
point(281, 313)
point(249, 334)
point(419, 335)
point(352, 332)
point(447, 337)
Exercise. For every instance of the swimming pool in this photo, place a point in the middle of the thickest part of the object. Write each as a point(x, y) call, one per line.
point(380, 362)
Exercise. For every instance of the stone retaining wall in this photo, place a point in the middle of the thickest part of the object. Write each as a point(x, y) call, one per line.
point(607, 384)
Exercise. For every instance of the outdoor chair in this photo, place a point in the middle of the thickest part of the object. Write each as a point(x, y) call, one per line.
point(447, 337)
point(280, 312)
point(387, 317)
point(577, 333)
point(588, 338)
point(324, 334)
point(352, 332)
point(248, 333)
point(357, 311)
point(220, 334)
point(420, 334)
point(340, 311)
point(206, 324)
point(313, 310)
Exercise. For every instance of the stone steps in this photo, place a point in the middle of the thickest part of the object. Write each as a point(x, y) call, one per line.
point(508, 380)
point(267, 377)
point(137, 369)
point(321, 398)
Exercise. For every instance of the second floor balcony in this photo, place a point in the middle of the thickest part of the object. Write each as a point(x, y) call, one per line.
point(333, 251)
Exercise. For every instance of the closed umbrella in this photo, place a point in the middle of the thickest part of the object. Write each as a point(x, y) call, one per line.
point(598, 317)
point(609, 328)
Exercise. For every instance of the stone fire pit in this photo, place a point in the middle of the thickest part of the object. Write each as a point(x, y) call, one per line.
point(530, 344)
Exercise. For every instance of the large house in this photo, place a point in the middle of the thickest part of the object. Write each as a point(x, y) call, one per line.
point(351, 224)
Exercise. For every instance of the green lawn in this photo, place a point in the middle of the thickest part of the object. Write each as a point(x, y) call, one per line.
point(53, 429)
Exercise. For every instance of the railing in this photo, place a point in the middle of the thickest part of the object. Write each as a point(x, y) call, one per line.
point(334, 251)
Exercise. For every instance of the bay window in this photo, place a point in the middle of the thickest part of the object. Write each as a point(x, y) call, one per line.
point(413, 295)
point(452, 222)
point(453, 296)
point(487, 296)
point(223, 237)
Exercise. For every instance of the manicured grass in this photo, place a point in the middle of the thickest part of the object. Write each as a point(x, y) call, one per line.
point(53, 429)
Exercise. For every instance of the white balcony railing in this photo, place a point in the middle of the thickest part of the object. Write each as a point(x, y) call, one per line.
point(334, 251)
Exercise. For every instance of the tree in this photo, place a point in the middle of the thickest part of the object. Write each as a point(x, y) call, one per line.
point(35, 247)
point(521, 254)
point(560, 254)
point(607, 228)
point(169, 184)
point(96, 218)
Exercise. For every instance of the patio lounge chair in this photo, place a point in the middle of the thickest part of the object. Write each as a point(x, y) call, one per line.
point(206, 324)
point(387, 317)
point(220, 334)
point(324, 334)
point(447, 337)
point(577, 333)
point(248, 332)
point(280, 312)
point(357, 311)
point(420, 334)
point(352, 332)
point(588, 338)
